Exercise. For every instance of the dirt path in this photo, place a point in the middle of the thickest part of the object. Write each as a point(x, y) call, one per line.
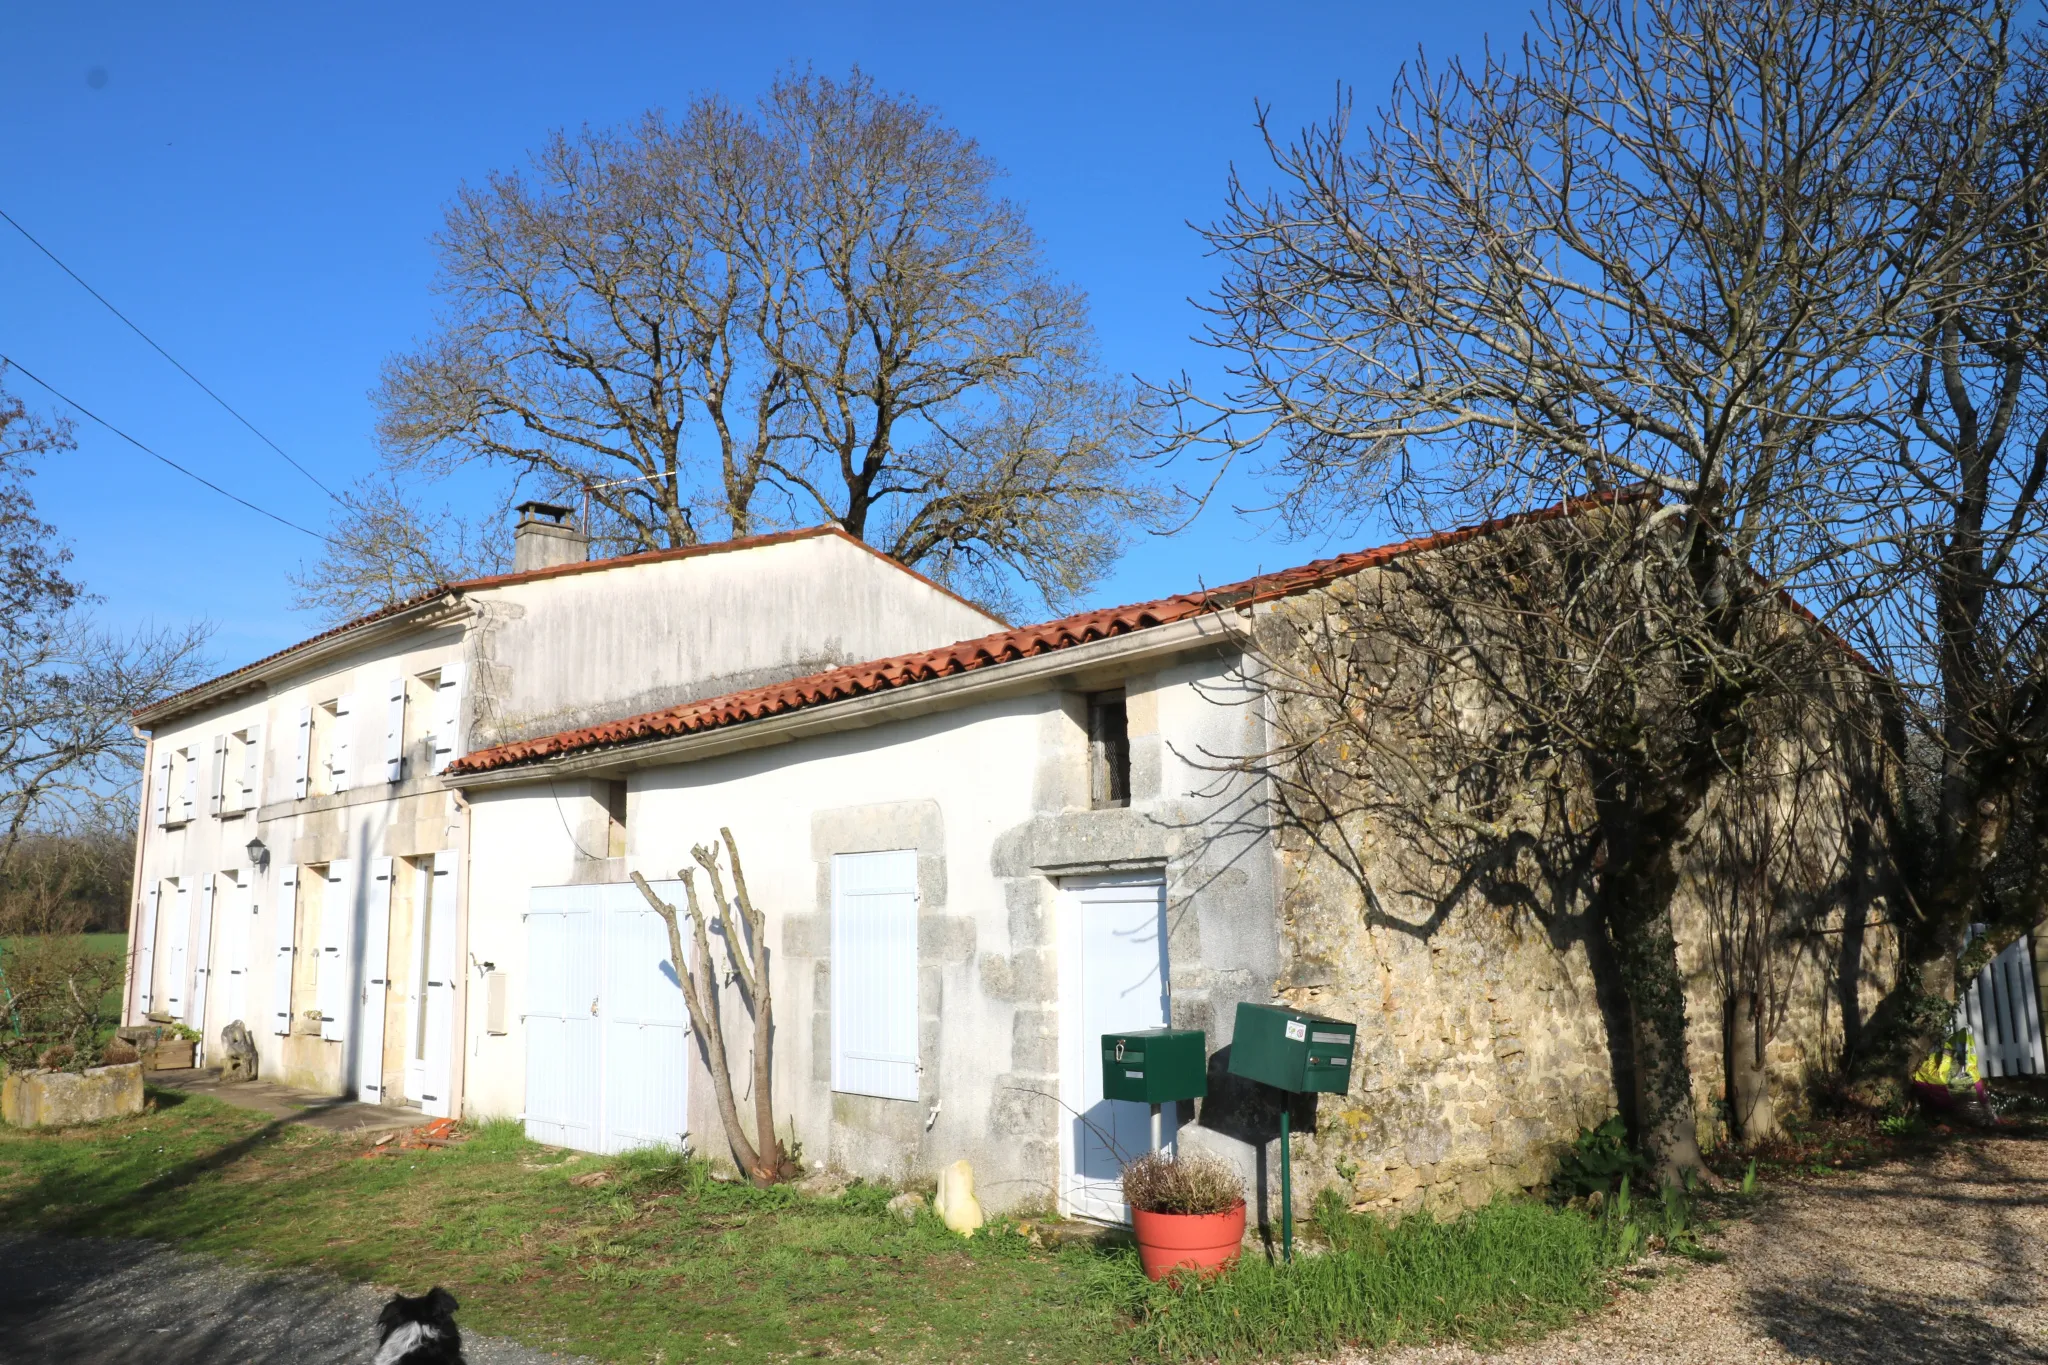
point(1941, 1261)
point(99, 1302)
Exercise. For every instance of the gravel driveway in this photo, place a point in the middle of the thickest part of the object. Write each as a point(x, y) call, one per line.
point(1937, 1262)
point(91, 1302)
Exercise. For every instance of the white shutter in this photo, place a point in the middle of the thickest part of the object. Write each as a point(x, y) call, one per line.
point(376, 983)
point(252, 765)
point(217, 780)
point(161, 805)
point(145, 953)
point(442, 965)
point(176, 982)
point(337, 921)
point(285, 923)
point(874, 974)
point(237, 908)
point(448, 716)
point(302, 762)
point(342, 751)
point(394, 732)
point(189, 798)
point(202, 967)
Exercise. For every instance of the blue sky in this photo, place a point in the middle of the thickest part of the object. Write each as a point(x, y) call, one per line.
point(255, 186)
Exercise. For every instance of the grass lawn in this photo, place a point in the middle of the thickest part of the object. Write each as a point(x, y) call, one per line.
point(105, 943)
point(658, 1262)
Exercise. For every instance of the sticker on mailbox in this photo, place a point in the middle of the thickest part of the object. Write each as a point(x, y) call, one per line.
point(1297, 1030)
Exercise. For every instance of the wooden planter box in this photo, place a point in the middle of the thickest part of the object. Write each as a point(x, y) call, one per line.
point(171, 1054)
point(59, 1099)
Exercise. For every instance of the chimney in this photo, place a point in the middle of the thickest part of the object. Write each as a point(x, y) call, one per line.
point(544, 538)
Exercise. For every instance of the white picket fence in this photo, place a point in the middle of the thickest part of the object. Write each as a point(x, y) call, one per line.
point(2002, 1010)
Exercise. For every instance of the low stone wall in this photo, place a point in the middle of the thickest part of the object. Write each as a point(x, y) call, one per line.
point(59, 1099)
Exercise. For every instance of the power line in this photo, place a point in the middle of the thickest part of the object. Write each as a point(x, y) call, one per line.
point(200, 478)
point(166, 355)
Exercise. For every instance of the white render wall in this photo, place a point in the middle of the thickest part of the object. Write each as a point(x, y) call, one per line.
point(373, 818)
point(562, 652)
point(993, 797)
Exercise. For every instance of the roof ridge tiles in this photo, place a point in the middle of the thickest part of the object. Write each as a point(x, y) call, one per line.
point(848, 681)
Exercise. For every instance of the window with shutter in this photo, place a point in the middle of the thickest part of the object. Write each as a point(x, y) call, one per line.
point(176, 933)
point(436, 1097)
point(202, 965)
point(447, 716)
point(337, 924)
point(341, 750)
point(160, 798)
point(189, 788)
point(394, 730)
point(874, 974)
point(252, 765)
point(302, 759)
point(285, 924)
point(217, 783)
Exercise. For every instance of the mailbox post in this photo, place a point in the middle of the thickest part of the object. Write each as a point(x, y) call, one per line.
point(1155, 1066)
point(1299, 1054)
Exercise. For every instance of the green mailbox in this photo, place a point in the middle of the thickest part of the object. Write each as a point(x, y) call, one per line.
point(1155, 1065)
point(1292, 1051)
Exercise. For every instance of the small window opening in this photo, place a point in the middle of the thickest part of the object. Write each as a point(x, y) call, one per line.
point(1109, 751)
point(615, 819)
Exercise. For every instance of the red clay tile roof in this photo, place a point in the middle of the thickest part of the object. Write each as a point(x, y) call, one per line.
point(168, 706)
point(881, 675)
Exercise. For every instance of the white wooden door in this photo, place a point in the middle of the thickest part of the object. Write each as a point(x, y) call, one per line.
point(564, 954)
point(202, 964)
point(1113, 976)
point(607, 1032)
point(436, 1090)
point(340, 908)
point(284, 931)
point(417, 959)
point(234, 904)
point(376, 977)
point(645, 1025)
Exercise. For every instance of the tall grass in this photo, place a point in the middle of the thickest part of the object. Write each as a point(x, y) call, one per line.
point(1508, 1270)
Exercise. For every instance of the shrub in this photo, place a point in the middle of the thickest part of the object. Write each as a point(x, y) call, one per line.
point(1158, 1183)
point(59, 1001)
point(1598, 1160)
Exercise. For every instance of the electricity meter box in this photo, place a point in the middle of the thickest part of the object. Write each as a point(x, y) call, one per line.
point(1292, 1051)
point(1155, 1065)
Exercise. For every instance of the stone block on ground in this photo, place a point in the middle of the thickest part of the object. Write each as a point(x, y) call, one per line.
point(59, 1099)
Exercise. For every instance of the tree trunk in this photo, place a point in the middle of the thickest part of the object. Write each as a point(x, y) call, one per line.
point(1751, 1110)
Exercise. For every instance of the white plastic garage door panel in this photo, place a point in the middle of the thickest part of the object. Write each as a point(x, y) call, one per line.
point(177, 984)
point(442, 966)
point(645, 1025)
point(338, 912)
point(608, 1048)
point(145, 953)
point(874, 974)
point(202, 964)
point(1112, 978)
point(376, 983)
point(284, 926)
point(563, 1047)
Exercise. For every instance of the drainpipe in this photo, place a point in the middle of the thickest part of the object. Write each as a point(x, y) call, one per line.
point(135, 875)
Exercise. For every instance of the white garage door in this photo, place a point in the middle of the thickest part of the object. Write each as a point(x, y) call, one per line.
point(607, 1033)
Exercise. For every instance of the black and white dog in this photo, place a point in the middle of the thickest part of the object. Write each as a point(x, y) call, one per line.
point(420, 1331)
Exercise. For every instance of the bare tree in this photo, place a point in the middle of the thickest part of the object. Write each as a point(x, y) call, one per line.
point(1659, 246)
point(761, 1157)
point(820, 310)
point(1951, 594)
point(384, 545)
point(67, 687)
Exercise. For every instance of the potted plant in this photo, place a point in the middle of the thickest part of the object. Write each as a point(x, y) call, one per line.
point(1187, 1212)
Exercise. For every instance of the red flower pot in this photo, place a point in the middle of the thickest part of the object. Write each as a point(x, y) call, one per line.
point(1204, 1242)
